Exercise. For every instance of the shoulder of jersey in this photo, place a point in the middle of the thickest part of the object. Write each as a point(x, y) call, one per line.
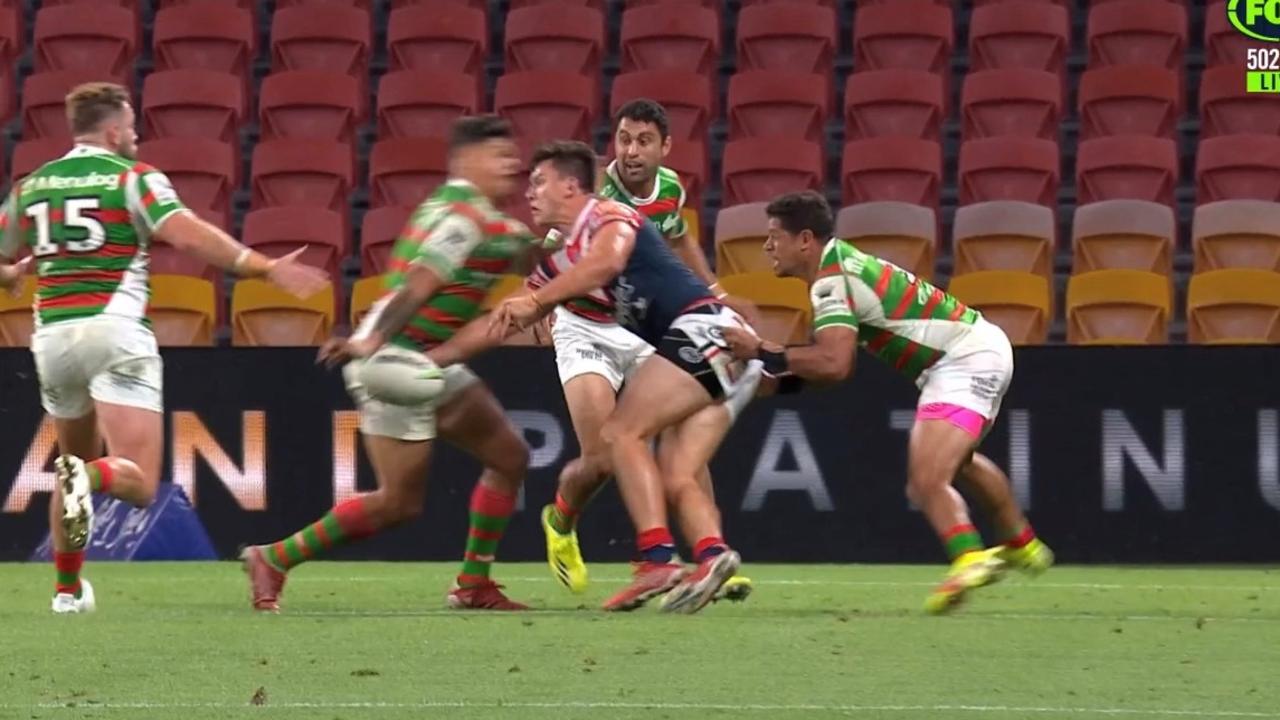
point(669, 176)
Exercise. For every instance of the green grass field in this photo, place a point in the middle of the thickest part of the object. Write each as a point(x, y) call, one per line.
point(371, 640)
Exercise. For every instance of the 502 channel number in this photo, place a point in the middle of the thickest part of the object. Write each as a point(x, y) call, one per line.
point(1263, 59)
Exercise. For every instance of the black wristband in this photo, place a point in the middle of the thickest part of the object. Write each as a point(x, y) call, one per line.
point(775, 362)
point(789, 384)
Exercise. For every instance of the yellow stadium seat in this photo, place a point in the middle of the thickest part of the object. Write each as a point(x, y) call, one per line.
point(1234, 307)
point(903, 233)
point(785, 312)
point(263, 315)
point(182, 310)
point(1019, 302)
point(506, 285)
point(364, 294)
point(1118, 307)
point(693, 224)
point(1236, 234)
point(1004, 235)
point(16, 320)
point(740, 234)
point(1123, 234)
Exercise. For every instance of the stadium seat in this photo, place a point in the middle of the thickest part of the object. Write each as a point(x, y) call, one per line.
point(424, 103)
point(481, 5)
point(1118, 307)
point(984, 3)
point(904, 234)
point(322, 37)
point(29, 155)
point(1223, 43)
point(404, 171)
point(693, 224)
point(1004, 235)
point(785, 313)
point(1236, 234)
point(1027, 35)
point(364, 293)
point(1126, 167)
point(757, 170)
point(688, 98)
point(1137, 32)
point(1020, 303)
point(893, 101)
point(1227, 109)
point(204, 172)
point(1234, 307)
point(167, 260)
point(378, 232)
point(182, 310)
point(1238, 167)
point(263, 315)
point(891, 168)
point(16, 319)
point(445, 37)
point(545, 104)
point(249, 5)
point(796, 37)
point(1009, 168)
point(1003, 102)
point(1123, 234)
point(824, 3)
point(564, 38)
point(1129, 100)
point(740, 234)
point(206, 36)
point(689, 160)
point(278, 231)
point(44, 96)
point(313, 173)
point(68, 38)
point(310, 105)
point(914, 34)
point(193, 103)
point(362, 4)
point(778, 103)
point(654, 38)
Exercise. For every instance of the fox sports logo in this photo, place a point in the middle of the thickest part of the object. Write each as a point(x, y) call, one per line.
point(1257, 19)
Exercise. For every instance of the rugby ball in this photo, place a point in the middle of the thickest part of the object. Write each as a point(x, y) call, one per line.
point(401, 378)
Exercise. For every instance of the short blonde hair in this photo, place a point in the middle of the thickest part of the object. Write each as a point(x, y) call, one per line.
point(91, 103)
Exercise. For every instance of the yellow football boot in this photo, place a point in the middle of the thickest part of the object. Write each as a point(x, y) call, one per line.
point(1033, 558)
point(969, 571)
point(564, 555)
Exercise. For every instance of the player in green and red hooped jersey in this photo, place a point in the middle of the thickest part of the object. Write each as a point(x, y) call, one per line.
point(914, 326)
point(636, 177)
point(453, 250)
point(88, 218)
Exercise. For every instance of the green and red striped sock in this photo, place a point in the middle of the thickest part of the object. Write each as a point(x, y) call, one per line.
point(962, 539)
point(346, 522)
point(490, 511)
point(564, 516)
point(1019, 537)
point(67, 565)
point(100, 475)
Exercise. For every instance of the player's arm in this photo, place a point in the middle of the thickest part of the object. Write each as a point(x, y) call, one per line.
point(473, 339)
point(10, 243)
point(606, 259)
point(831, 355)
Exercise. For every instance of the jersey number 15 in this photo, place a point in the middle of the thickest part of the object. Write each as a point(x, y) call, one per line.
point(73, 218)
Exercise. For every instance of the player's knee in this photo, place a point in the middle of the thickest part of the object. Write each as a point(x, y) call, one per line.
point(613, 434)
point(387, 507)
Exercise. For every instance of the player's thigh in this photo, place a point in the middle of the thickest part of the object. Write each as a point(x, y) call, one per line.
point(590, 398)
point(474, 422)
point(659, 394)
point(936, 451)
point(690, 445)
point(79, 436)
point(401, 469)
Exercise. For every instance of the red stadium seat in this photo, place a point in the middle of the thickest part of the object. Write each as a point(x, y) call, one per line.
point(1238, 167)
point(544, 104)
point(1137, 32)
point(249, 5)
point(799, 37)
point(1126, 167)
point(777, 103)
point(44, 96)
point(654, 38)
point(424, 103)
point(193, 103)
point(278, 231)
point(1236, 234)
point(310, 105)
point(362, 4)
point(1129, 100)
point(12, 31)
point(758, 169)
point(914, 34)
point(1227, 109)
point(313, 173)
point(1223, 43)
point(1009, 168)
point(893, 101)
point(1018, 102)
point(404, 171)
point(984, 3)
point(559, 37)
point(824, 3)
point(1028, 35)
point(688, 98)
point(892, 168)
point(378, 232)
point(689, 160)
point(1004, 235)
point(29, 155)
point(68, 38)
point(204, 172)
point(481, 5)
point(1123, 234)
point(321, 37)
point(443, 37)
point(206, 36)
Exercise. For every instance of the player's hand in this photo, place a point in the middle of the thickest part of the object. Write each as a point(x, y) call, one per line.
point(743, 307)
point(518, 311)
point(11, 275)
point(744, 344)
point(296, 278)
point(339, 351)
